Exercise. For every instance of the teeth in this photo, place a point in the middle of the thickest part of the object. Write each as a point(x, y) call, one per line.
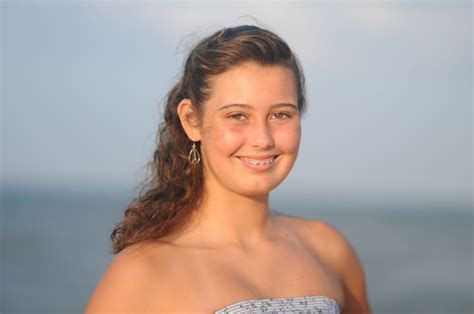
point(255, 162)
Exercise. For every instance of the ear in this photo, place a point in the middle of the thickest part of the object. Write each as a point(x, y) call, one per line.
point(189, 118)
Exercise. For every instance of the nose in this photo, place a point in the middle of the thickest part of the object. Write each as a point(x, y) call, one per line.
point(261, 135)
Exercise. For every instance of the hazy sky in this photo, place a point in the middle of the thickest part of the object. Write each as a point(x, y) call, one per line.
point(389, 88)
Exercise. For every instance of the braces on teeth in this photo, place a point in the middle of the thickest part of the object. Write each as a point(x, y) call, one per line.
point(261, 163)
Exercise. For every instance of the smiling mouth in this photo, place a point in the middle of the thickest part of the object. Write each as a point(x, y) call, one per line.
point(258, 162)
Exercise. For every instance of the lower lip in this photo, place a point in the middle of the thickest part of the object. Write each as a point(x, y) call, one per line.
point(260, 168)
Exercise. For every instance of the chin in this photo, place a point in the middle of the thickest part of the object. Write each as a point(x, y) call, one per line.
point(257, 189)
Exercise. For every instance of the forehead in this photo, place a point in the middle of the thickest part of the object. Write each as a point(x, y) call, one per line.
point(253, 84)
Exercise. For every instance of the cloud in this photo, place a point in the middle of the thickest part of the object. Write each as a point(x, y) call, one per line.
point(316, 31)
point(191, 21)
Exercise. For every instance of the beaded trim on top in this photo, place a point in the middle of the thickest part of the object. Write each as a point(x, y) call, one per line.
point(307, 304)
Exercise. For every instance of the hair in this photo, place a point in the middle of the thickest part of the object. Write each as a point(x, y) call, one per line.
point(175, 186)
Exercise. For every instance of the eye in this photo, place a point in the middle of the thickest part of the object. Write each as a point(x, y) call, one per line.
point(281, 115)
point(237, 116)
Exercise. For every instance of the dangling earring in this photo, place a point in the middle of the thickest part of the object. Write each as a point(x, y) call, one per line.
point(194, 156)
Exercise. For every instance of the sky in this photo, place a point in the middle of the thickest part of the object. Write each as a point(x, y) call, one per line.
point(389, 87)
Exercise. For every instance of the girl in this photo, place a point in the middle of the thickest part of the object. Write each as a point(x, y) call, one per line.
point(202, 238)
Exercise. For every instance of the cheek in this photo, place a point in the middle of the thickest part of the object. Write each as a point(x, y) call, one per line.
point(222, 137)
point(288, 138)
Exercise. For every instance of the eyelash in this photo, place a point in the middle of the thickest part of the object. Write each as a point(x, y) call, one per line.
point(237, 116)
point(233, 116)
point(285, 114)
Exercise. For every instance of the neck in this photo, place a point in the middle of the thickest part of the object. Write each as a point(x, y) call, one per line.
point(227, 218)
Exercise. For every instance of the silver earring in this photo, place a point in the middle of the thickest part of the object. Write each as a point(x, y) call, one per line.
point(194, 155)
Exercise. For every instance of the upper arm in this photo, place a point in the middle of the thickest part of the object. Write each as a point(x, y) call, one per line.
point(123, 287)
point(353, 278)
point(347, 265)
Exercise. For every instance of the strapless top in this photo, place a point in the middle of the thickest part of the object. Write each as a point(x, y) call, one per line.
point(306, 304)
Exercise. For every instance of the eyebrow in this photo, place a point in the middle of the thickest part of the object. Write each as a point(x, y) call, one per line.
point(252, 108)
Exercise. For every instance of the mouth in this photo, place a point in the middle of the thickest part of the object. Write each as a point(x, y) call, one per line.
point(260, 163)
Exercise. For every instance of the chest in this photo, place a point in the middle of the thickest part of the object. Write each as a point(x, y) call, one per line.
point(281, 272)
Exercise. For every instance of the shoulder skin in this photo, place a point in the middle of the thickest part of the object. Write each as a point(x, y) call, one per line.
point(129, 280)
point(337, 252)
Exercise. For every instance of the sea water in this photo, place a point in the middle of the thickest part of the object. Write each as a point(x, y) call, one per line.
point(55, 246)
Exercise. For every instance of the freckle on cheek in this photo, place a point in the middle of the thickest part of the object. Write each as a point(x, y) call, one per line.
point(221, 133)
point(212, 133)
point(208, 131)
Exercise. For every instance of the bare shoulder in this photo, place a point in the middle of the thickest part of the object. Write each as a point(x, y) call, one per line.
point(125, 286)
point(335, 249)
point(328, 242)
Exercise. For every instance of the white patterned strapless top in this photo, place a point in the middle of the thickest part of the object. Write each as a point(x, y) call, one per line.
point(306, 305)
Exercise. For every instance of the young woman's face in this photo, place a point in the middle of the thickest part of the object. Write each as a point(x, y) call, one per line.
point(250, 129)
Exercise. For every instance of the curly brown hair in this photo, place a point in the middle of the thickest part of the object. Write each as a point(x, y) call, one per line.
point(175, 186)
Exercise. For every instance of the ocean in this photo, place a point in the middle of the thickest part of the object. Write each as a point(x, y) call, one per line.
point(55, 246)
